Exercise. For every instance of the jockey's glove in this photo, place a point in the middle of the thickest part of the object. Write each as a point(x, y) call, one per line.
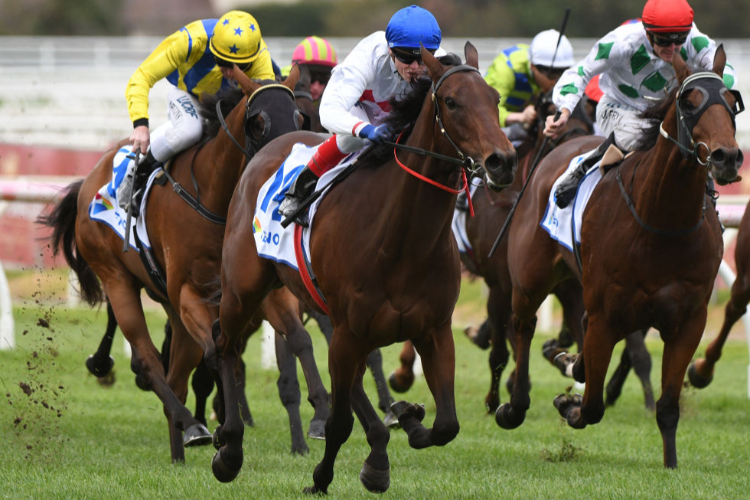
point(376, 134)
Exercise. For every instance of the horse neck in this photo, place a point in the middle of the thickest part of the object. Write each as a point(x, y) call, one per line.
point(417, 214)
point(673, 187)
point(221, 163)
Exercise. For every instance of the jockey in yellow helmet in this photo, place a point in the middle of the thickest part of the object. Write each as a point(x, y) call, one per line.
point(196, 60)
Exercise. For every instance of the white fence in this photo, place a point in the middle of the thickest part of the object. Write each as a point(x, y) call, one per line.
point(69, 91)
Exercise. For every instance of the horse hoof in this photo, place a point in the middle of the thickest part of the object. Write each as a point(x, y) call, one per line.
point(99, 366)
point(300, 449)
point(196, 435)
point(375, 481)
point(697, 380)
point(398, 386)
point(107, 380)
point(221, 472)
point(475, 334)
point(390, 420)
point(218, 442)
point(404, 409)
point(314, 490)
point(503, 419)
point(563, 402)
point(317, 429)
point(550, 349)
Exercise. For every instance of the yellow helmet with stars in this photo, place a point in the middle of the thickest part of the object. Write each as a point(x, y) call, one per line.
point(236, 38)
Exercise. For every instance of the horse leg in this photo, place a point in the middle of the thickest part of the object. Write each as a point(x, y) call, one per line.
point(636, 355)
point(281, 310)
point(701, 371)
point(481, 336)
point(511, 415)
point(402, 379)
point(439, 362)
point(679, 347)
point(184, 356)
point(599, 342)
point(498, 310)
point(570, 295)
point(344, 361)
point(289, 392)
point(376, 471)
point(101, 362)
point(202, 384)
point(385, 399)
point(127, 308)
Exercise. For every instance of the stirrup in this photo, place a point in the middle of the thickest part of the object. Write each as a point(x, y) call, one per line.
point(288, 207)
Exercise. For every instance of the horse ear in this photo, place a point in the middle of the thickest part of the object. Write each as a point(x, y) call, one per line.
point(471, 54)
point(246, 84)
point(720, 60)
point(434, 67)
point(291, 80)
point(304, 78)
point(680, 68)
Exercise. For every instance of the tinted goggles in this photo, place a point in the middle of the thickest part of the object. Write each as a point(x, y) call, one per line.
point(551, 73)
point(223, 63)
point(408, 56)
point(321, 78)
point(667, 39)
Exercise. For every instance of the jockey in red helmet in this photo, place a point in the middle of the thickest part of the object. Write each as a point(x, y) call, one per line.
point(635, 64)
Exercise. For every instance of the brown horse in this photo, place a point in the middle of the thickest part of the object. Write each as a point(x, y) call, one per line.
point(650, 249)
point(385, 260)
point(701, 371)
point(189, 263)
point(490, 210)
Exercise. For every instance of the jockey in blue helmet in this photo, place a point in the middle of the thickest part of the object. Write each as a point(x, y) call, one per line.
point(355, 101)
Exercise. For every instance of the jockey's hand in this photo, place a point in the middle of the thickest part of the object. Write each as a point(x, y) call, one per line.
point(376, 134)
point(552, 128)
point(528, 116)
point(140, 138)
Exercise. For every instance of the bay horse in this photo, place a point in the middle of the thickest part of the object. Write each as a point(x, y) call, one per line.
point(650, 248)
point(490, 211)
point(385, 261)
point(701, 371)
point(261, 111)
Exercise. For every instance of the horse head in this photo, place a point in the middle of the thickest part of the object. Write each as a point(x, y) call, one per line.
point(305, 101)
point(705, 113)
point(467, 120)
point(270, 110)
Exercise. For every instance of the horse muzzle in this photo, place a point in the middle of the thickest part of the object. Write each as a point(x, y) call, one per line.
point(500, 168)
point(725, 163)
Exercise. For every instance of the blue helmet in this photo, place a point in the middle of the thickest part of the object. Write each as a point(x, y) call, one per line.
point(412, 25)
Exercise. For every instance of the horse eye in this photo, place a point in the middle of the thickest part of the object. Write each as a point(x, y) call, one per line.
point(450, 103)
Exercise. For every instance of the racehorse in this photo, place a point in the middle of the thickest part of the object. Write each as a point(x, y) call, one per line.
point(385, 261)
point(261, 111)
point(650, 248)
point(701, 371)
point(491, 210)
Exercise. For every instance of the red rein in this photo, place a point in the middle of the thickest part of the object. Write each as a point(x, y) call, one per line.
point(437, 184)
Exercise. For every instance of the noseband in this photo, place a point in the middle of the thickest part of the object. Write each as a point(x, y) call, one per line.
point(713, 89)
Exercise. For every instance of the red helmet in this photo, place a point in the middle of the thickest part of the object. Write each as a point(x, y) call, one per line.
point(667, 16)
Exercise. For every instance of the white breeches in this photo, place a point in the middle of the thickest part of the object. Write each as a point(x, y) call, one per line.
point(183, 129)
point(623, 120)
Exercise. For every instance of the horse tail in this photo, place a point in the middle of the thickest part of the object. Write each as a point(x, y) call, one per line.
point(62, 219)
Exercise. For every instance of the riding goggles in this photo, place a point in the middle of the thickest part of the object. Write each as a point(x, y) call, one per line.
point(667, 39)
point(551, 73)
point(408, 55)
point(321, 78)
point(223, 63)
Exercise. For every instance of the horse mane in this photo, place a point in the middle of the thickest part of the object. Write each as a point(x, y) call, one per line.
point(404, 111)
point(229, 98)
point(656, 114)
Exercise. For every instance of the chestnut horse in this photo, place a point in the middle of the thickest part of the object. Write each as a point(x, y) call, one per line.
point(189, 263)
point(385, 260)
point(701, 371)
point(650, 248)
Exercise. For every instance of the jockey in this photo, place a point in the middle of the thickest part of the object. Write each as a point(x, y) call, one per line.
point(635, 63)
point(355, 101)
point(521, 73)
point(197, 60)
point(318, 55)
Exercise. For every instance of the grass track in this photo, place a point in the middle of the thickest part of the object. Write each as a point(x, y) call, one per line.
point(112, 443)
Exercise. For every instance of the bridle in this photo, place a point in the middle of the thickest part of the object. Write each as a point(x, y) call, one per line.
point(714, 91)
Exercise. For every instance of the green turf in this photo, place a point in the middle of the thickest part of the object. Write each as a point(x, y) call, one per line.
point(112, 442)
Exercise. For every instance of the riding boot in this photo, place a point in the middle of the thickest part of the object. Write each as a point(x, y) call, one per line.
point(142, 172)
point(568, 187)
point(325, 158)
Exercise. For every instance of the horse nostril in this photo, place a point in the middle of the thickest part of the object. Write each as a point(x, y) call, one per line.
point(740, 159)
point(493, 163)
